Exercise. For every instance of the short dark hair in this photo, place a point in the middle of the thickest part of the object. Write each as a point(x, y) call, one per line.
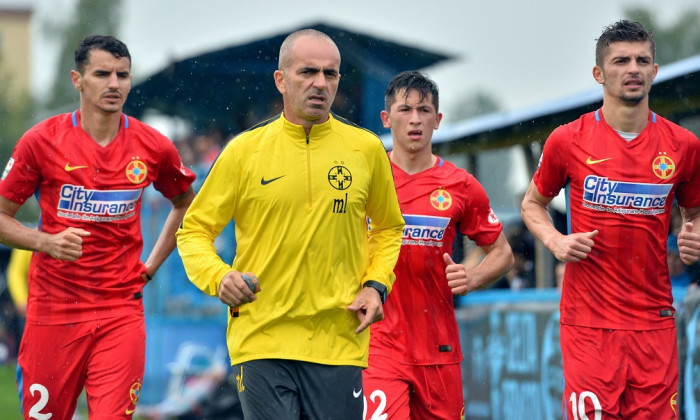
point(99, 42)
point(408, 81)
point(622, 31)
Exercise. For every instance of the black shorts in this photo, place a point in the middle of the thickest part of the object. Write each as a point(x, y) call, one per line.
point(291, 389)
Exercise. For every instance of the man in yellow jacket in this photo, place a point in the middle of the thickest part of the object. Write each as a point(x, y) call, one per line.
point(301, 188)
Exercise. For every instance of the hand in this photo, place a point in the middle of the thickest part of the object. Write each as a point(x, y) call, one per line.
point(368, 308)
point(67, 245)
point(456, 276)
point(234, 291)
point(688, 244)
point(574, 247)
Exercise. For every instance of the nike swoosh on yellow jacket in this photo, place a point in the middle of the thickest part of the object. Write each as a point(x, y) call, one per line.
point(304, 235)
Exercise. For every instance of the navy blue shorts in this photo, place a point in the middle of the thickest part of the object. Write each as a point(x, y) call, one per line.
point(291, 389)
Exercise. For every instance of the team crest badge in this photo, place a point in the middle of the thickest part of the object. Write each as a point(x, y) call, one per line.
point(134, 394)
point(663, 167)
point(136, 171)
point(340, 177)
point(441, 199)
point(674, 403)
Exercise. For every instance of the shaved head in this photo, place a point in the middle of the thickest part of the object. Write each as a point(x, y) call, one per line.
point(285, 57)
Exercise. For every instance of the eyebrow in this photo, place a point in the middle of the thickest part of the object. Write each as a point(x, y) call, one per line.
point(326, 71)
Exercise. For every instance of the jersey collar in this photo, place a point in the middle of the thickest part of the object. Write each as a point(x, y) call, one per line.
point(75, 114)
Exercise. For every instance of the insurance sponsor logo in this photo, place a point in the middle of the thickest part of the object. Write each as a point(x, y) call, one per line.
point(424, 230)
point(603, 194)
point(77, 202)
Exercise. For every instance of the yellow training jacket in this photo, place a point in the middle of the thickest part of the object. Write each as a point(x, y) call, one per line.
point(300, 207)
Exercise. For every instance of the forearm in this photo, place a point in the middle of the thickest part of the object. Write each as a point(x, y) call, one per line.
point(16, 235)
point(689, 236)
point(691, 215)
point(167, 241)
point(497, 262)
point(203, 266)
point(537, 219)
point(385, 245)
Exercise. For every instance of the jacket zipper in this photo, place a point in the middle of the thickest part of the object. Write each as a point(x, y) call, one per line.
point(308, 171)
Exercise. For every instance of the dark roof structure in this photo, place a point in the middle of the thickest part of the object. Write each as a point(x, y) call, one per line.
point(233, 88)
point(675, 95)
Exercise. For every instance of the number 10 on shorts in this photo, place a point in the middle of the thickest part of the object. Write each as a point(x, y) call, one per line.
point(578, 406)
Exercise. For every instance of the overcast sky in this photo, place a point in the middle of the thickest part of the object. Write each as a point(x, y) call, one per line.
point(520, 52)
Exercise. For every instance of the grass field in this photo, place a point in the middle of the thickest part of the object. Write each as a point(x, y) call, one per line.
point(9, 402)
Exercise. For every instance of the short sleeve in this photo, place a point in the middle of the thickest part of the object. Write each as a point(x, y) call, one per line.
point(173, 177)
point(551, 174)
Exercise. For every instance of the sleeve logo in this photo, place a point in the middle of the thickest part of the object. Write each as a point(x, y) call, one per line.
point(9, 165)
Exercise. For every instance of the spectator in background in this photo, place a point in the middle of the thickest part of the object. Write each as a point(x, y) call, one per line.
point(522, 273)
point(17, 271)
point(207, 147)
point(677, 271)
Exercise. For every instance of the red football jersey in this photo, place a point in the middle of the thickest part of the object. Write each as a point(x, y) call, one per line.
point(84, 185)
point(625, 190)
point(419, 325)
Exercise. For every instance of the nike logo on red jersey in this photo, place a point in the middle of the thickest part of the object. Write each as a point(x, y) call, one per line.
point(594, 161)
point(69, 168)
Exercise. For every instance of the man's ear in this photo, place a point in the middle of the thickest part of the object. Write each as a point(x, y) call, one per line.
point(279, 81)
point(385, 119)
point(77, 79)
point(598, 75)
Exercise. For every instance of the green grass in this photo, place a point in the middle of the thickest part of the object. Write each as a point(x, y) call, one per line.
point(9, 401)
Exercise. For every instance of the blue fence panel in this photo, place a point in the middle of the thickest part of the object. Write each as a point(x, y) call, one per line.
point(176, 311)
point(512, 365)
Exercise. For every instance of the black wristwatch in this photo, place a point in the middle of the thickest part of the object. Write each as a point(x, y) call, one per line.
point(378, 287)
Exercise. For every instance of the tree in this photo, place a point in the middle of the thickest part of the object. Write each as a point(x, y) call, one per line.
point(16, 116)
point(472, 105)
point(676, 41)
point(91, 17)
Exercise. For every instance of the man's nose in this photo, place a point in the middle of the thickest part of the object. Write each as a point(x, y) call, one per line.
point(320, 80)
point(113, 81)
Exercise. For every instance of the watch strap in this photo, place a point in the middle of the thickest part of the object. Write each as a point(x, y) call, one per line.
point(378, 287)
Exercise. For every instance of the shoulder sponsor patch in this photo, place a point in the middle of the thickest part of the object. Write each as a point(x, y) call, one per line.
point(8, 167)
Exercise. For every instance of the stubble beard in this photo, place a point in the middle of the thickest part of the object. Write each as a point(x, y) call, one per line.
point(632, 100)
